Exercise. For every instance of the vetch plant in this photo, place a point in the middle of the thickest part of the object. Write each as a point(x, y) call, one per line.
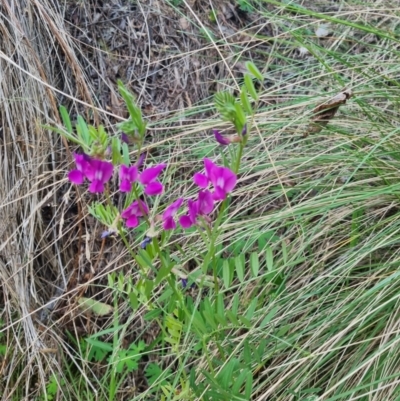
point(215, 184)
point(141, 187)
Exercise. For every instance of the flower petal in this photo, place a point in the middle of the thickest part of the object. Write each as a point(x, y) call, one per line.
point(222, 140)
point(96, 187)
point(135, 209)
point(154, 188)
point(209, 167)
point(201, 180)
point(205, 202)
point(230, 179)
point(76, 177)
point(125, 186)
point(150, 174)
point(219, 194)
point(185, 221)
point(169, 223)
point(172, 208)
point(141, 160)
point(128, 173)
point(132, 222)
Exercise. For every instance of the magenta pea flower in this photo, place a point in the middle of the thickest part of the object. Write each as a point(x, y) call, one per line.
point(141, 160)
point(222, 140)
point(203, 206)
point(82, 162)
point(225, 140)
point(149, 179)
point(98, 174)
point(127, 176)
point(133, 212)
point(190, 219)
point(125, 138)
point(244, 130)
point(223, 179)
point(169, 213)
point(205, 202)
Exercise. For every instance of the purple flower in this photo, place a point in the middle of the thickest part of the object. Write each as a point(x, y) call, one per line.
point(82, 162)
point(127, 176)
point(244, 130)
point(108, 233)
point(222, 140)
point(203, 206)
point(125, 138)
point(132, 213)
point(141, 159)
point(98, 172)
point(146, 241)
point(169, 213)
point(149, 179)
point(222, 178)
point(227, 139)
point(184, 282)
point(189, 219)
point(205, 202)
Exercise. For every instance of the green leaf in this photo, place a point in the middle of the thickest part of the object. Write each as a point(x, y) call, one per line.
point(225, 104)
point(83, 131)
point(133, 301)
point(154, 373)
point(98, 308)
point(239, 264)
point(108, 347)
point(134, 111)
point(209, 318)
point(254, 70)
point(148, 287)
point(144, 259)
point(225, 376)
point(240, 118)
point(245, 321)
point(226, 274)
point(250, 87)
point(248, 386)
point(65, 118)
point(163, 272)
point(269, 257)
point(254, 264)
point(102, 135)
point(152, 315)
point(269, 317)
point(239, 380)
point(245, 101)
point(251, 309)
point(235, 303)
point(66, 134)
point(232, 317)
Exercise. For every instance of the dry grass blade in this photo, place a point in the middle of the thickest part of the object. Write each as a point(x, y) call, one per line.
point(32, 262)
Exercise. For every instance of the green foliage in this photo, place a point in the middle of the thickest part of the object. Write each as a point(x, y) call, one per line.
point(52, 387)
point(155, 374)
point(135, 125)
point(245, 6)
point(127, 359)
point(106, 214)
